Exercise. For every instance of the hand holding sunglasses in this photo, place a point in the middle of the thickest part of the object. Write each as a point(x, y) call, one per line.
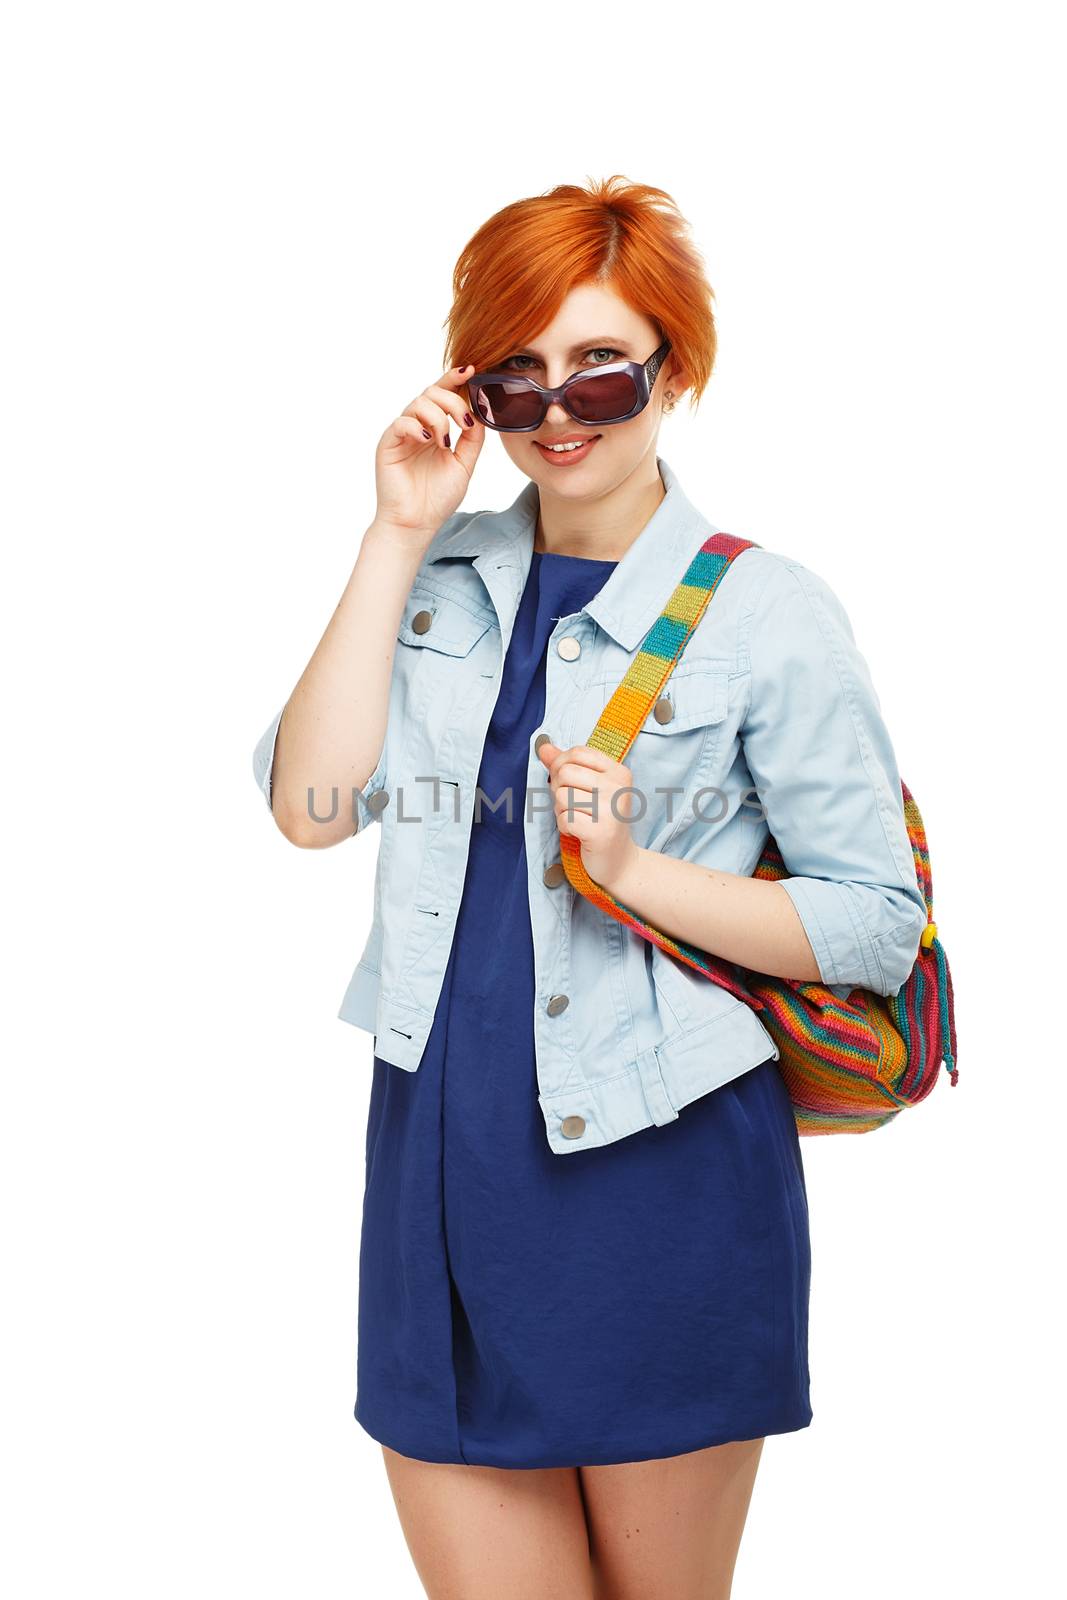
point(512, 403)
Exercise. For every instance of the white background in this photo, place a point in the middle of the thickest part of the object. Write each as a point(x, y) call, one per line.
point(230, 231)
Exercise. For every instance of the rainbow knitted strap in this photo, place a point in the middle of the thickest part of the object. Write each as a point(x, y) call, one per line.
point(623, 718)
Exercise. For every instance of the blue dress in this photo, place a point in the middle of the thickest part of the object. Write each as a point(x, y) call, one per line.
point(519, 1308)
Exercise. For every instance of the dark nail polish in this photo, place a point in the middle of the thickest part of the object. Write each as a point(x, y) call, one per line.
point(448, 441)
point(426, 434)
point(468, 419)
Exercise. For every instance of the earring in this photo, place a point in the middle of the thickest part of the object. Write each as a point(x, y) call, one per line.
point(669, 401)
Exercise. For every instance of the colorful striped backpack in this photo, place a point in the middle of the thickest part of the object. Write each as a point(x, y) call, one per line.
point(850, 1064)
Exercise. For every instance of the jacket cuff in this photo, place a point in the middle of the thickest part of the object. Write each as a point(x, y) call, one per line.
point(263, 766)
point(847, 952)
point(263, 757)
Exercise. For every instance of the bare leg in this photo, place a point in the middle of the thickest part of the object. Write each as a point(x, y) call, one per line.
point(670, 1529)
point(479, 1533)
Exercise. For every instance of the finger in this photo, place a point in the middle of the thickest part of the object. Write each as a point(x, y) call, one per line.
point(456, 405)
point(557, 761)
point(592, 758)
point(572, 775)
point(471, 429)
point(581, 823)
point(469, 446)
point(433, 419)
point(405, 431)
point(588, 802)
point(576, 803)
point(456, 377)
point(596, 759)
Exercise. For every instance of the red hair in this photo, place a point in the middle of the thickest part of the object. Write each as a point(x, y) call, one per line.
point(513, 275)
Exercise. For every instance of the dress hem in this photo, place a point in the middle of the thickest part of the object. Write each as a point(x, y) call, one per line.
point(593, 1458)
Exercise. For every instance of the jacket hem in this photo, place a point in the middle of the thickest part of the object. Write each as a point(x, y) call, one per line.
point(662, 1081)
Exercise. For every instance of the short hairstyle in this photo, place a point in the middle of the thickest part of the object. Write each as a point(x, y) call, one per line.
point(513, 275)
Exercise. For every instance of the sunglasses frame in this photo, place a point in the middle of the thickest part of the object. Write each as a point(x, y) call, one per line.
point(643, 374)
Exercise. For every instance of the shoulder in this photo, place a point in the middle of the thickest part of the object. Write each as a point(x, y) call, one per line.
point(777, 587)
point(454, 531)
point(764, 568)
point(453, 525)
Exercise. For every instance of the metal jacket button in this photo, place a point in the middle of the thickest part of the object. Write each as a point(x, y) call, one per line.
point(570, 649)
point(572, 1127)
point(663, 711)
point(554, 875)
point(420, 622)
point(558, 1003)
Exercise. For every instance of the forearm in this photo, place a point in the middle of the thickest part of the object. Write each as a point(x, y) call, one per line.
point(333, 728)
point(751, 921)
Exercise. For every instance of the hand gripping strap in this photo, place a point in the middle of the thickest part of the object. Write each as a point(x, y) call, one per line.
point(622, 719)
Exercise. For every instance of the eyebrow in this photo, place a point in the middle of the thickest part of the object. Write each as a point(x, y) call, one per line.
point(592, 343)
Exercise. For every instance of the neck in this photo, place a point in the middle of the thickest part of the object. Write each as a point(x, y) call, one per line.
point(603, 526)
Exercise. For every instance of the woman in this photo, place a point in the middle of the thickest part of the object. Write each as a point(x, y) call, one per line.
point(584, 1264)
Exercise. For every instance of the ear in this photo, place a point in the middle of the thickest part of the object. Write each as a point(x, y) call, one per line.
point(675, 378)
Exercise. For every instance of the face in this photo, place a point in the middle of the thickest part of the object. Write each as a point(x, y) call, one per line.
point(592, 328)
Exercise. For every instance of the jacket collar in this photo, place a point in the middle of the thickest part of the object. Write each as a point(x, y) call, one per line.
point(638, 589)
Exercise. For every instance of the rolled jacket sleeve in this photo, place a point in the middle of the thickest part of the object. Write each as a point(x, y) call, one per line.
point(823, 765)
point(263, 769)
point(263, 757)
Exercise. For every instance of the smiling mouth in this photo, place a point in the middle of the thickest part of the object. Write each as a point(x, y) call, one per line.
point(562, 449)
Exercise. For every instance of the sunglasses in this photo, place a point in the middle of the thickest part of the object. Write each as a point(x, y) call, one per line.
point(513, 403)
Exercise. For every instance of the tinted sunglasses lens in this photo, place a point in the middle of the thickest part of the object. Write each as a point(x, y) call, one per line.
point(508, 405)
point(603, 397)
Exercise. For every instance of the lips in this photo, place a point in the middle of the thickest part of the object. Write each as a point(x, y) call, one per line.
point(583, 440)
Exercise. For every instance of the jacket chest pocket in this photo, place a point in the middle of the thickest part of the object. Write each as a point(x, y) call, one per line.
point(440, 625)
point(437, 655)
point(442, 674)
point(675, 748)
point(674, 751)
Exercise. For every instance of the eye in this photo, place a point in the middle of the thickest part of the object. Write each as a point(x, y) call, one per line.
point(596, 350)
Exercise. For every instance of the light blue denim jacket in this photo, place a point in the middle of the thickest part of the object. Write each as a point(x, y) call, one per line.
point(776, 725)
